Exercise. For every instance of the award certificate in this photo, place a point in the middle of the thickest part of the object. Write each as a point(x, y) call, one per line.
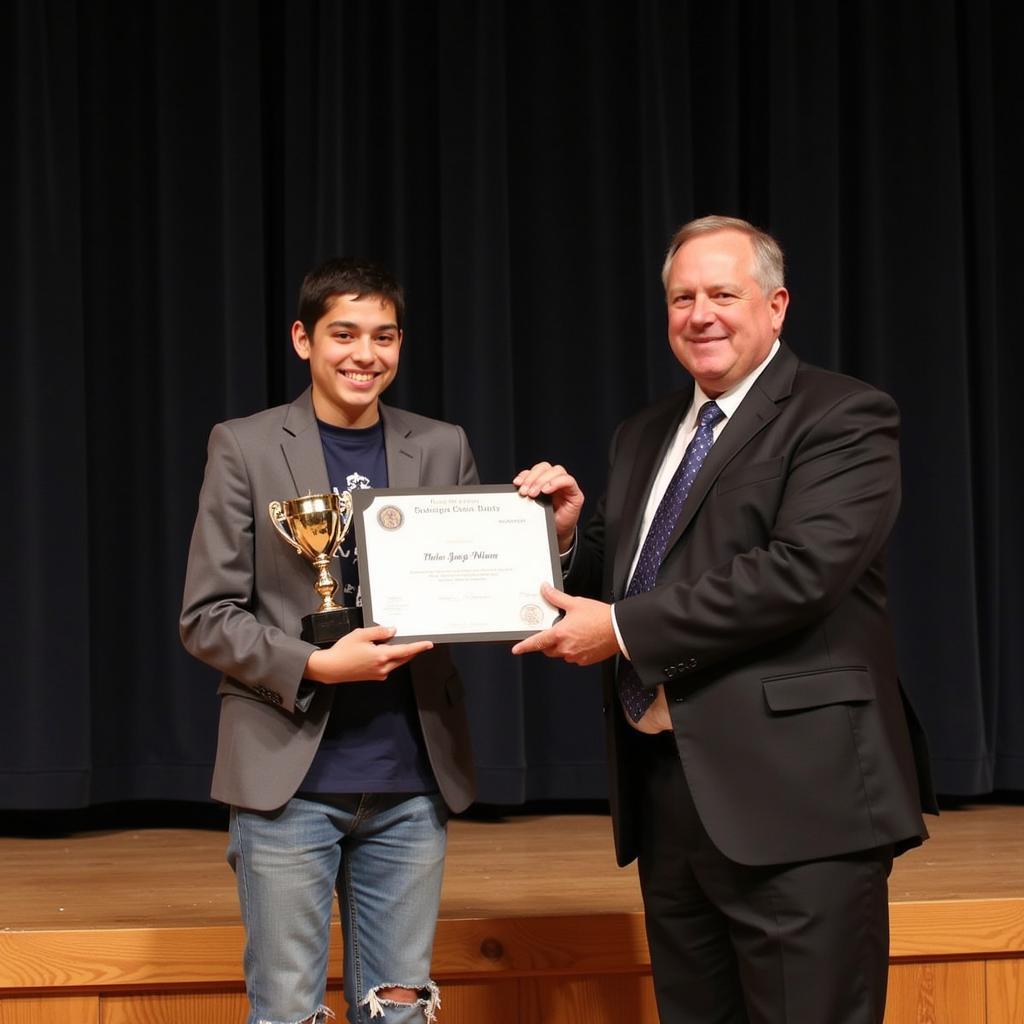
point(456, 564)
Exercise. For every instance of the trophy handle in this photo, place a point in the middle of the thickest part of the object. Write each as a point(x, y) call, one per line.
point(276, 510)
point(345, 515)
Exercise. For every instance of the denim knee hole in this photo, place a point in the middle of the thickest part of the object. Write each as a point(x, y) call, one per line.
point(428, 998)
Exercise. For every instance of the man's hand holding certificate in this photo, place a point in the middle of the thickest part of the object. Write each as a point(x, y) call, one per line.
point(456, 564)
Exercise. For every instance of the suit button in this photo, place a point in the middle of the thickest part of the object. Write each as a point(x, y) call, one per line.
point(691, 662)
point(678, 700)
point(670, 671)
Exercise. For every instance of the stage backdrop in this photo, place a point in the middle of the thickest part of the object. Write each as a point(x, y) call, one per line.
point(172, 168)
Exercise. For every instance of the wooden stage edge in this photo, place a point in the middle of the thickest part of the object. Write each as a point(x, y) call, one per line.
point(537, 925)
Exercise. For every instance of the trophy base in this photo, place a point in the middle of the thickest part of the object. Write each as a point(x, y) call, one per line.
point(324, 628)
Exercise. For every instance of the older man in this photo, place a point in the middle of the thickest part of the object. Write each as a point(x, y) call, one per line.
point(732, 580)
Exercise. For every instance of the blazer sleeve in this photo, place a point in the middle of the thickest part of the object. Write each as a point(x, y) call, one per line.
point(837, 507)
point(218, 623)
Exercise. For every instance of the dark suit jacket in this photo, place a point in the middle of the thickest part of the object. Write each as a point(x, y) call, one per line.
point(768, 625)
point(246, 592)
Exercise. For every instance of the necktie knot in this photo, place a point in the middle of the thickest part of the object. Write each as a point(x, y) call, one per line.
point(709, 415)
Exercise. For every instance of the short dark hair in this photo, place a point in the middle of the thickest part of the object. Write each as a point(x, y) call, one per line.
point(347, 275)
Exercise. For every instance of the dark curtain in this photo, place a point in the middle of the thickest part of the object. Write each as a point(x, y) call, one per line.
point(172, 168)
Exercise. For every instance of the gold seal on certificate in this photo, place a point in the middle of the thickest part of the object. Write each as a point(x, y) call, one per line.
point(456, 564)
point(315, 526)
point(390, 517)
point(531, 614)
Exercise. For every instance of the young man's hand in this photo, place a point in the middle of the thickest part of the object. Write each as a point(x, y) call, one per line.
point(362, 654)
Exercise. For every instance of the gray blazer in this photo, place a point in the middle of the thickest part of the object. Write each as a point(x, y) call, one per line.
point(246, 592)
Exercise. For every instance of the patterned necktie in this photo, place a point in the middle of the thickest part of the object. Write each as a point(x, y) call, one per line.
point(636, 699)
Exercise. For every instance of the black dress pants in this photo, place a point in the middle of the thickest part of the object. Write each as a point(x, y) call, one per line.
point(804, 943)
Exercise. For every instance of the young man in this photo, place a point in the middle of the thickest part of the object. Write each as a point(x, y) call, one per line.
point(340, 765)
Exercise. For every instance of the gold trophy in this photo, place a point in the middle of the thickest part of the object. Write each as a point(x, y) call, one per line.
point(315, 526)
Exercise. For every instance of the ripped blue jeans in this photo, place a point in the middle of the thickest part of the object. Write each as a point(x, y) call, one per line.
point(384, 855)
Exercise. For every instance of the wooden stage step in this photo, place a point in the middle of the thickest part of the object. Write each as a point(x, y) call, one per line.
point(538, 925)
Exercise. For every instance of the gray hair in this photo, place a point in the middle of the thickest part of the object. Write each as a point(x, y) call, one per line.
point(769, 268)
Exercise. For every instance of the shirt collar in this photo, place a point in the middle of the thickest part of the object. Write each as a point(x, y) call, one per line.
point(729, 401)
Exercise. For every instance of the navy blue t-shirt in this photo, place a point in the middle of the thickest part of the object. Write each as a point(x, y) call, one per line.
point(372, 742)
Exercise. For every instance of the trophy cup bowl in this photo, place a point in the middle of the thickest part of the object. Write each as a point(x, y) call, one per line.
point(315, 526)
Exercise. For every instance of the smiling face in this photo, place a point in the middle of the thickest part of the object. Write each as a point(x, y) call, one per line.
point(721, 325)
point(352, 356)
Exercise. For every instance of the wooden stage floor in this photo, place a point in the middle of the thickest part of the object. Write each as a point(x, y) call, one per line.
point(139, 911)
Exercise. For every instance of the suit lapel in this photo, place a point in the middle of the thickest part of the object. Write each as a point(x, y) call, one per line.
point(654, 440)
point(303, 451)
point(404, 454)
point(759, 407)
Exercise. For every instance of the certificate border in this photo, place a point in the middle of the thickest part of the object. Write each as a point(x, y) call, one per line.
point(361, 501)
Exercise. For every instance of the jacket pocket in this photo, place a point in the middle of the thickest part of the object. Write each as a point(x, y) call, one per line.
point(752, 474)
point(806, 690)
